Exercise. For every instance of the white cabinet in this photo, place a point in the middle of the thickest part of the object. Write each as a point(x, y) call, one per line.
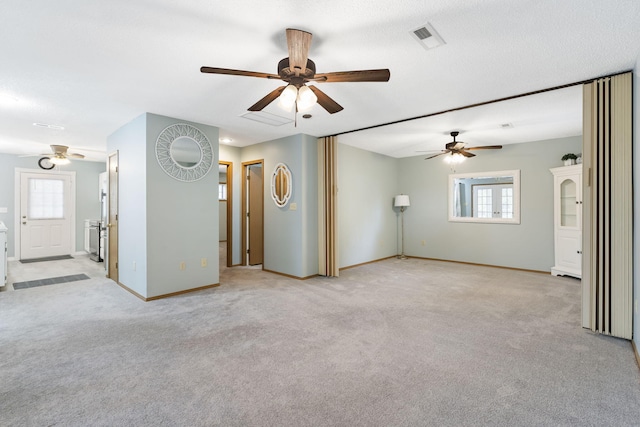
point(567, 219)
point(3, 254)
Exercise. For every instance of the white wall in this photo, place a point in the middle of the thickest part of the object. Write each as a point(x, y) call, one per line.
point(367, 220)
point(528, 245)
point(87, 200)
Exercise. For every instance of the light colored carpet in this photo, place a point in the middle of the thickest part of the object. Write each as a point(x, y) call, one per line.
point(395, 343)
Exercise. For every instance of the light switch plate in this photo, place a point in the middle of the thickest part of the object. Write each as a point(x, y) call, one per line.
point(3, 210)
point(293, 207)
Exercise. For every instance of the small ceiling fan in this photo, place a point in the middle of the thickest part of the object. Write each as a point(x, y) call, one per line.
point(457, 148)
point(297, 70)
point(60, 156)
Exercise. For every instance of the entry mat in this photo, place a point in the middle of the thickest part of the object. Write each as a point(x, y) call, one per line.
point(49, 258)
point(50, 281)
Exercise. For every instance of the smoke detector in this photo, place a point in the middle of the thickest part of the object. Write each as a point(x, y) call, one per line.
point(427, 36)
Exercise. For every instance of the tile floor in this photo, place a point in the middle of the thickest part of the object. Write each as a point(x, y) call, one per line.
point(19, 272)
point(80, 264)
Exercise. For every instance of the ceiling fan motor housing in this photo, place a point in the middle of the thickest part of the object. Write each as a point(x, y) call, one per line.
point(287, 74)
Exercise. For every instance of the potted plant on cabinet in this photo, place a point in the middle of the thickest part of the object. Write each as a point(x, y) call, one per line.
point(569, 159)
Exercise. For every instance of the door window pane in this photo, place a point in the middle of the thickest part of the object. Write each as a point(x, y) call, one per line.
point(507, 202)
point(485, 204)
point(46, 199)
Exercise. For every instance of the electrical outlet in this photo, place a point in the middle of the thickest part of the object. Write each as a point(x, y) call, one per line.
point(183, 266)
point(203, 262)
point(424, 243)
point(293, 206)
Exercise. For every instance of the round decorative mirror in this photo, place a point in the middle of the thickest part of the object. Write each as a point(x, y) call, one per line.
point(184, 152)
point(281, 185)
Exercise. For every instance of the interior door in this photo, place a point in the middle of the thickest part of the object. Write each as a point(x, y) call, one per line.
point(46, 214)
point(112, 224)
point(254, 213)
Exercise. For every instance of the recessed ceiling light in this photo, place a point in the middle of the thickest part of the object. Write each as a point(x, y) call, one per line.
point(48, 126)
point(226, 140)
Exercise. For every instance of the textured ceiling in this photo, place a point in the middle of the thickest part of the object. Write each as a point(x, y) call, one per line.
point(93, 66)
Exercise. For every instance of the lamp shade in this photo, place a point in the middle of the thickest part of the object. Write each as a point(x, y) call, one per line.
point(288, 97)
point(306, 98)
point(59, 160)
point(402, 200)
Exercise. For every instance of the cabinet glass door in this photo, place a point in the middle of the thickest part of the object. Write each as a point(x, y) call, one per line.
point(568, 206)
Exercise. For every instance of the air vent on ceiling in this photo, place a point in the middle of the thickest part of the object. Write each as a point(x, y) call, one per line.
point(506, 125)
point(266, 118)
point(427, 36)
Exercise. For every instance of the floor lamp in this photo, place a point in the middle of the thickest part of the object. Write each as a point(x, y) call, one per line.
point(402, 201)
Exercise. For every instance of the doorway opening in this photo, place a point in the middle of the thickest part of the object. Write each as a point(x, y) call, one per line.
point(252, 212)
point(225, 199)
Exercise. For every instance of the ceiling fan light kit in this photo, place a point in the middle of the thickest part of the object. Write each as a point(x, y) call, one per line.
point(59, 160)
point(297, 70)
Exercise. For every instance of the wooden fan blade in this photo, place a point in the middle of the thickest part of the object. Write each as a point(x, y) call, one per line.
point(75, 155)
point(464, 153)
point(299, 43)
point(271, 96)
point(325, 101)
point(485, 147)
point(62, 149)
point(214, 70)
point(354, 76)
point(436, 155)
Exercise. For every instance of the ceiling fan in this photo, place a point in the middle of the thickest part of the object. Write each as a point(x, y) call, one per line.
point(297, 70)
point(60, 156)
point(458, 149)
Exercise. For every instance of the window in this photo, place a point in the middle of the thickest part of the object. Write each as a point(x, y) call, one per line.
point(46, 199)
point(222, 191)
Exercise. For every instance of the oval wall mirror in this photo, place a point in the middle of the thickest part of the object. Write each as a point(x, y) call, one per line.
point(186, 152)
point(281, 185)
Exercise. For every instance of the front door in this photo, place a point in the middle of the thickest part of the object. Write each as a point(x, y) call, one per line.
point(46, 214)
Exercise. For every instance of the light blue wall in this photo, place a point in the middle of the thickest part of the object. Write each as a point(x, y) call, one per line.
point(367, 220)
point(232, 154)
point(528, 245)
point(87, 200)
point(162, 221)
point(182, 220)
point(290, 236)
point(129, 141)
